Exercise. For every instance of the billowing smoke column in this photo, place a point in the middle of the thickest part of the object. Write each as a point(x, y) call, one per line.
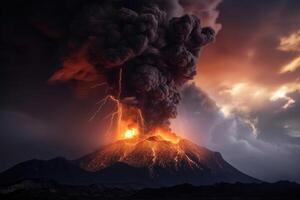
point(142, 53)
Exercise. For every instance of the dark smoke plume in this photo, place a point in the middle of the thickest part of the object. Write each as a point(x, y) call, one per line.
point(140, 52)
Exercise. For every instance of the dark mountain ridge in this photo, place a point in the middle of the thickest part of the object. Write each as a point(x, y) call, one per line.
point(45, 189)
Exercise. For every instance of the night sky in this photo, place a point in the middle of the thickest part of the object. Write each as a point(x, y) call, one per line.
point(243, 103)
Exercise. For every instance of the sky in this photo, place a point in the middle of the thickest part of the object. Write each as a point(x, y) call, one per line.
point(251, 76)
point(243, 103)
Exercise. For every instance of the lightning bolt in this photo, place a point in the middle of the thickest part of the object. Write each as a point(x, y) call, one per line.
point(102, 102)
point(141, 119)
point(119, 107)
point(119, 110)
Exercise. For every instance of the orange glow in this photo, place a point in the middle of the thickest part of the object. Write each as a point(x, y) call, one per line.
point(167, 136)
point(133, 131)
point(129, 123)
point(161, 148)
point(77, 67)
point(130, 133)
point(159, 134)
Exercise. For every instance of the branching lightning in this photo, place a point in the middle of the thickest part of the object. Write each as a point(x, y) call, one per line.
point(102, 102)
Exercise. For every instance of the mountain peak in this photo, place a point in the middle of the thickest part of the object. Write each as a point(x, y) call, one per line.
point(179, 161)
point(153, 151)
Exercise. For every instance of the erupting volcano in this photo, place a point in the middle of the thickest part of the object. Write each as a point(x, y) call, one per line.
point(138, 54)
point(150, 99)
point(160, 159)
point(156, 150)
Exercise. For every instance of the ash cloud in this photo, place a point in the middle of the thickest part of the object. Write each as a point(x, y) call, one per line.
point(206, 10)
point(140, 52)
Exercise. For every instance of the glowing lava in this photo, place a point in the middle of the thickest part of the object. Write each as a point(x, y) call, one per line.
point(133, 132)
point(159, 149)
point(130, 133)
point(167, 136)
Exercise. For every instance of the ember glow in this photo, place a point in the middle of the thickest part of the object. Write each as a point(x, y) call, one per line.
point(133, 133)
point(130, 133)
point(129, 130)
point(167, 136)
point(130, 127)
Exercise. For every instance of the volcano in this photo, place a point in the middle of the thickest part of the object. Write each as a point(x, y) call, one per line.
point(153, 161)
point(164, 161)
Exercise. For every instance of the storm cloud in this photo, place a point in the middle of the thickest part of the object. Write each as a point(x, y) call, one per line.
point(259, 145)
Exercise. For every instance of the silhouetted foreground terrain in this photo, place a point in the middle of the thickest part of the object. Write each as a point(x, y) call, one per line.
point(48, 190)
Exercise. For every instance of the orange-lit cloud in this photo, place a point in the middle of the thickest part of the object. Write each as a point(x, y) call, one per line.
point(290, 43)
point(241, 96)
point(248, 96)
point(291, 66)
point(243, 70)
point(283, 93)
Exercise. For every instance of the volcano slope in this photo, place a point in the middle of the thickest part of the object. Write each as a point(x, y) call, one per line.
point(163, 162)
point(150, 162)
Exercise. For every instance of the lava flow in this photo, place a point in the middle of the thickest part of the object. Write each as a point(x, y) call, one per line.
point(160, 149)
